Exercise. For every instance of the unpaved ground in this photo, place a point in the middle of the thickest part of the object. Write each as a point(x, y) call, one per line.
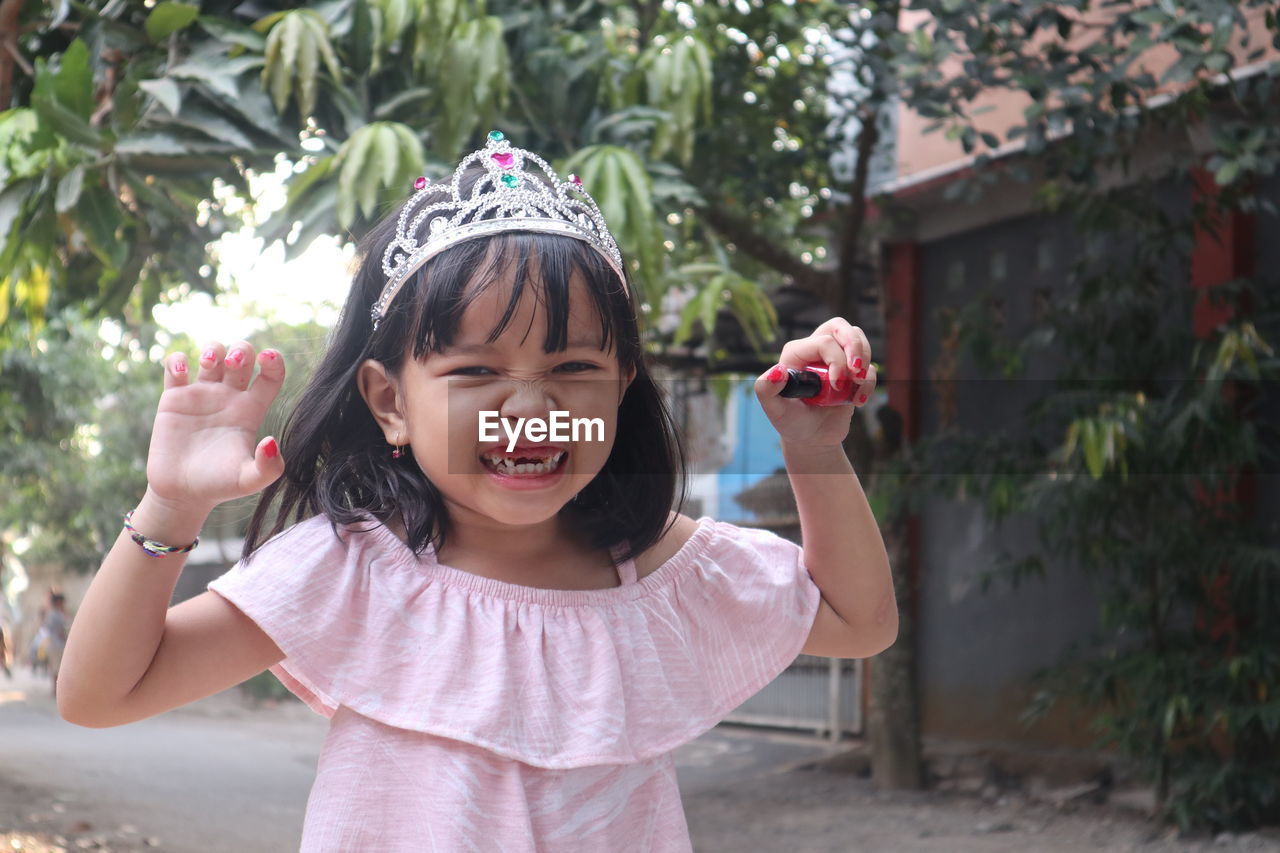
point(745, 791)
point(816, 810)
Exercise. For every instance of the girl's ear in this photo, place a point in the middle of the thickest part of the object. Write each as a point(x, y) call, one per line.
point(627, 379)
point(382, 395)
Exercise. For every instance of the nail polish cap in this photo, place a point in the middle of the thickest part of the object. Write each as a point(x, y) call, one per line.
point(801, 384)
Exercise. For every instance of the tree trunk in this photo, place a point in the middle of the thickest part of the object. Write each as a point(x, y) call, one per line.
point(893, 726)
point(893, 723)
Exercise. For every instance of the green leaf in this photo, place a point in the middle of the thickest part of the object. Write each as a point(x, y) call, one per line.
point(155, 143)
point(351, 162)
point(307, 66)
point(1227, 172)
point(65, 122)
point(164, 90)
point(98, 216)
point(167, 18)
point(12, 198)
point(386, 146)
point(73, 84)
point(214, 125)
point(232, 33)
point(68, 192)
point(218, 73)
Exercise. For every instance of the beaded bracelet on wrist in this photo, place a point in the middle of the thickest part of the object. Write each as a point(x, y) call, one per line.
point(151, 546)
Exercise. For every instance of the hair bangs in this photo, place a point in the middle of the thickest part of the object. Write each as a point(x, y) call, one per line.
point(544, 264)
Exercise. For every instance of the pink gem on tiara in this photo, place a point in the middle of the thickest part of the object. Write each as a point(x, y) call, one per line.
point(574, 179)
point(420, 183)
point(505, 159)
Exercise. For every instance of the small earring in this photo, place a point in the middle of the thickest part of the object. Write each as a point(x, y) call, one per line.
point(398, 452)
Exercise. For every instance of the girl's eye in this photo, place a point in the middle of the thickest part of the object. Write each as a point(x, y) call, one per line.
point(469, 371)
point(576, 367)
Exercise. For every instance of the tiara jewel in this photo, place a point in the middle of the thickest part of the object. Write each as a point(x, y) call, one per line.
point(518, 191)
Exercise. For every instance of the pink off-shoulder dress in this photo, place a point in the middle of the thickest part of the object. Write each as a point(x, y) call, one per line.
point(470, 714)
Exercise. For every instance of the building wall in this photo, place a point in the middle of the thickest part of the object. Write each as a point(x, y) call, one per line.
point(920, 152)
point(979, 650)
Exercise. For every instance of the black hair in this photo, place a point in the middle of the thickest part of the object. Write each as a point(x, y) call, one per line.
point(337, 460)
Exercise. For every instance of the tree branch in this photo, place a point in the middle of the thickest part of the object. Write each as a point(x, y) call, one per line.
point(761, 248)
point(9, 12)
point(846, 303)
point(647, 15)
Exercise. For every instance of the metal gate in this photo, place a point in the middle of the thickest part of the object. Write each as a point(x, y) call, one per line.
point(823, 695)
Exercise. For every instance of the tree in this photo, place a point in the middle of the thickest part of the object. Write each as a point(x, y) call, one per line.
point(1144, 482)
point(77, 412)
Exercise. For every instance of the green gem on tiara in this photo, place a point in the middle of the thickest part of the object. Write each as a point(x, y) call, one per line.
point(496, 136)
point(511, 181)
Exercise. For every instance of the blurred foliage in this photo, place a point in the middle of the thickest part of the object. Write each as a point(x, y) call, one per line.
point(133, 110)
point(1138, 461)
point(77, 416)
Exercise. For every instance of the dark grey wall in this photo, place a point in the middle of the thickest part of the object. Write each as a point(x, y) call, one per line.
point(978, 650)
point(1267, 272)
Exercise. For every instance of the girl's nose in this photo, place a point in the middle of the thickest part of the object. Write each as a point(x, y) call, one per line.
point(527, 399)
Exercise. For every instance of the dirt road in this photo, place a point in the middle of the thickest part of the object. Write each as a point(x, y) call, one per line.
point(220, 776)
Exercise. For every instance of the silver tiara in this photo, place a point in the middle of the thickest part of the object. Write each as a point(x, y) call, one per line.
point(505, 198)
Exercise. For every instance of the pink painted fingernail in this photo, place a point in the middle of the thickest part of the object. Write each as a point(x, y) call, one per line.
point(235, 358)
point(210, 355)
point(857, 362)
point(179, 367)
point(271, 450)
point(270, 354)
point(775, 373)
point(862, 398)
point(862, 374)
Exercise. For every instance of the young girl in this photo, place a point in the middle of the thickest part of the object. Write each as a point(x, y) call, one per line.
point(510, 634)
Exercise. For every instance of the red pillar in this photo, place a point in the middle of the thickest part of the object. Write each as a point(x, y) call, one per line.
point(1224, 250)
point(902, 337)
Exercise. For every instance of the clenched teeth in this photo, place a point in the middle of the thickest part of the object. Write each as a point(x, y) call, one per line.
point(508, 465)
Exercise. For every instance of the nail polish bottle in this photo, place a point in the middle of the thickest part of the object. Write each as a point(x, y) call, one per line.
point(813, 386)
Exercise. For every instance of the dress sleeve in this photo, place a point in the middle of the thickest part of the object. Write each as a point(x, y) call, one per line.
point(296, 588)
point(747, 609)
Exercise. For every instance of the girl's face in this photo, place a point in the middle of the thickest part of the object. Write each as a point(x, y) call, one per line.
point(442, 406)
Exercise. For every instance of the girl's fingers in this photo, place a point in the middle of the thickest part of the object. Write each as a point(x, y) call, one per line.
point(176, 370)
point(867, 386)
point(770, 383)
point(238, 365)
point(853, 341)
point(211, 368)
point(819, 349)
point(263, 469)
point(270, 378)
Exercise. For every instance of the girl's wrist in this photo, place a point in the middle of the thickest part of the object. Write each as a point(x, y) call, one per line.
point(815, 456)
point(163, 520)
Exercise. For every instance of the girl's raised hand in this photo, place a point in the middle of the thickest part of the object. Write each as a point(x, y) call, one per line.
point(846, 352)
point(204, 445)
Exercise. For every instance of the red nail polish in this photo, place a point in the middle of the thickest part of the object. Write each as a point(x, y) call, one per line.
point(775, 373)
point(862, 398)
point(813, 386)
point(862, 374)
point(210, 355)
point(857, 362)
point(271, 450)
point(179, 367)
point(235, 358)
